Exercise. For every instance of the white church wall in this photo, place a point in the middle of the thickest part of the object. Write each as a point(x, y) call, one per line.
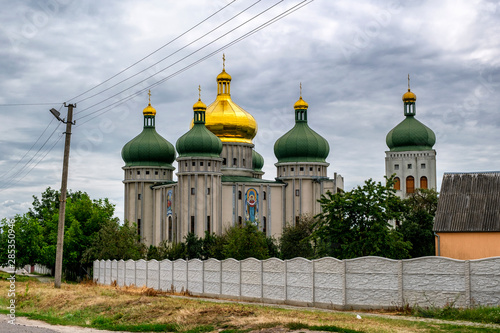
point(368, 282)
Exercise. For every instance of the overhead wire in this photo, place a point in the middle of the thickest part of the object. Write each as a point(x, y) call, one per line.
point(119, 102)
point(171, 54)
point(155, 51)
point(176, 62)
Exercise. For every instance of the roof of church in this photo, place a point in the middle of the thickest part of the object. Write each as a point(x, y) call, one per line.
point(469, 202)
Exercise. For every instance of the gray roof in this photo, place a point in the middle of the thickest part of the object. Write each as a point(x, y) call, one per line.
point(469, 202)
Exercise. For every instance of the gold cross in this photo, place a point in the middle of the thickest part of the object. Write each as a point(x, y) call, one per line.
point(223, 61)
point(300, 89)
point(199, 92)
point(149, 93)
point(408, 82)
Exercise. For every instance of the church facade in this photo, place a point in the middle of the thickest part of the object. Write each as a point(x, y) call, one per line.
point(219, 178)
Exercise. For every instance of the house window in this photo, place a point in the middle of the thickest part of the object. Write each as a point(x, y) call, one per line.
point(192, 225)
point(422, 166)
point(410, 184)
point(423, 182)
point(396, 166)
point(409, 166)
point(193, 190)
point(208, 224)
point(397, 184)
point(264, 195)
point(297, 193)
point(239, 195)
point(264, 224)
point(139, 196)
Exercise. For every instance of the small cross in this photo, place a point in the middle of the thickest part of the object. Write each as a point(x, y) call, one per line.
point(223, 61)
point(408, 82)
point(300, 89)
point(199, 92)
point(149, 93)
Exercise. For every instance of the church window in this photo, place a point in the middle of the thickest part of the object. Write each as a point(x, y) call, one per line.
point(186, 164)
point(397, 184)
point(239, 195)
point(291, 169)
point(156, 173)
point(297, 193)
point(147, 172)
point(319, 169)
point(131, 172)
point(423, 182)
point(164, 173)
point(264, 195)
point(208, 191)
point(297, 218)
point(208, 224)
point(301, 168)
point(244, 163)
point(209, 164)
point(193, 163)
point(138, 172)
point(264, 224)
point(240, 220)
point(235, 161)
point(139, 227)
point(396, 166)
point(170, 227)
point(193, 190)
point(409, 166)
point(311, 169)
point(139, 196)
point(192, 225)
point(201, 163)
point(224, 161)
point(410, 184)
point(422, 166)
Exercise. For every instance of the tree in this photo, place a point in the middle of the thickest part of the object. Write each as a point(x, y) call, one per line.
point(244, 242)
point(418, 221)
point(296, 240)
point(24, 246)
point(355, 223)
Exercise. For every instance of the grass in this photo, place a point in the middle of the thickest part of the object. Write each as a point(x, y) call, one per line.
point(480, 314)
point(146, 310)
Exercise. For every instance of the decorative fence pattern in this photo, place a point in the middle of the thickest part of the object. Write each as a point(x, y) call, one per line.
point(367, 282)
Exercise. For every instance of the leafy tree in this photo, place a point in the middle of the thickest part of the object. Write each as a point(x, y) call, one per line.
point(194, 246)
point(24, 247)
point(115, 241)
point(296, 239)
point(418, 221)
point(244, 242)
point(355, 223)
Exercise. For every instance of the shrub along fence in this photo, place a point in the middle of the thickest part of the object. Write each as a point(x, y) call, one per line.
point(367, 282)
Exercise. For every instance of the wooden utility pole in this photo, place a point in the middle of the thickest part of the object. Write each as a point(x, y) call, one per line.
point(62, 200)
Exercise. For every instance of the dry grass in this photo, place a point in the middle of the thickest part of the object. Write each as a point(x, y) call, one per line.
point(88, 304)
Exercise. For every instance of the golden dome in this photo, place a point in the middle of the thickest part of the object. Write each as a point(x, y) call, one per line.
point(149, 110)
point(409, 96)
point(199, 105)
point(226, 119)
point(300, 104)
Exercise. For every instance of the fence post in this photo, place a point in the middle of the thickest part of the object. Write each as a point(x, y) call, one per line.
point(400, 283)
point(344, 281)
point(467, 284)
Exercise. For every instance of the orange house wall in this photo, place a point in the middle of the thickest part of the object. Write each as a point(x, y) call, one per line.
point(469, 245)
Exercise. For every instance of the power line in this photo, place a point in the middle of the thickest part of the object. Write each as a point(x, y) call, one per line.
point(126, 99)
point(28, 104)
point(178, 61)
point(155, 51)
point(171, 54)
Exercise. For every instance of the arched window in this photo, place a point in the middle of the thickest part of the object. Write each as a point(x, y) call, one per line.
point(423, 182)
point(397, 184)
point(410, 184)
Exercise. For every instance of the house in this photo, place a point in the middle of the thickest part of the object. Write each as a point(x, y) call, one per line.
point(467, 222)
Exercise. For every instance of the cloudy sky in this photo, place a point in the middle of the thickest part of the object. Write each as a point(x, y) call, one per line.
point(352, 59)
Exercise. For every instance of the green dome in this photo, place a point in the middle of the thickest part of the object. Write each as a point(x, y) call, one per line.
point(148, 149)
point(199, 141)
point(301, 143)
point(410, 134)
point(257, 161)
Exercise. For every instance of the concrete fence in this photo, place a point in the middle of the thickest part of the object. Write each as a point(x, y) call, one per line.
point(367, 282)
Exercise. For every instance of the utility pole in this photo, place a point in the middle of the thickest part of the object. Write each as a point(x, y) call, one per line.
point(62, 200)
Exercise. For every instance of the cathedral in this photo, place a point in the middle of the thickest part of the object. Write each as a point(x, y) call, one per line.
point(219, 178)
